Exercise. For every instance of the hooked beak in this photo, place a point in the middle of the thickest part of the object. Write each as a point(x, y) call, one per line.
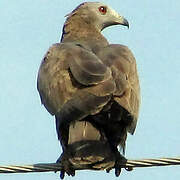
point(125, 23)
point(122, 21)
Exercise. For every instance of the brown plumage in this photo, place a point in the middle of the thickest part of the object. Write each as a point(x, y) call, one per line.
point(90, 86)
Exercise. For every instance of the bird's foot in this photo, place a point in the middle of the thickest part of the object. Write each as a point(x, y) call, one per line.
point(66, 166)
point(92, 155)
point(119, 162)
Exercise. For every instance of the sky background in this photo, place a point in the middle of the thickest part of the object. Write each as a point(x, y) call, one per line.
point(27, 130)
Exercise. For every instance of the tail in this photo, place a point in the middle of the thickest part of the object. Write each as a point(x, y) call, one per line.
point(83, 131)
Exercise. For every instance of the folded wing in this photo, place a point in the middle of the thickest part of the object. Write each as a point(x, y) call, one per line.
point(123, 66)
point(71, 78)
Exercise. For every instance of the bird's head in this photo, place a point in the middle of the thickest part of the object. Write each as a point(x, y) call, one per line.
point(99, 15)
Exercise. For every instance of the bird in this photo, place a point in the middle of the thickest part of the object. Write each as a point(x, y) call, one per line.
point(92, 88)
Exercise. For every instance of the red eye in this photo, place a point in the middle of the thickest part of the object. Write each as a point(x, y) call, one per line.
point(102, 10)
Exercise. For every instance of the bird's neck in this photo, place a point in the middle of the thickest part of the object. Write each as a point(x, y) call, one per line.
point(77, 30)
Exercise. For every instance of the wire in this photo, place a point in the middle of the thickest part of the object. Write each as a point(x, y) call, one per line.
point(47, 167)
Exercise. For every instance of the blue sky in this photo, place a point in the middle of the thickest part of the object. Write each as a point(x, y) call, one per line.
point(27, 133)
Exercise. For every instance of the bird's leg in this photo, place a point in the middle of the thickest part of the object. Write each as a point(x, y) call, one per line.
point(120, 160)
point(66, 166)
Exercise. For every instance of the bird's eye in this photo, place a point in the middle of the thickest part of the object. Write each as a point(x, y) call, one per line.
point(102, 10)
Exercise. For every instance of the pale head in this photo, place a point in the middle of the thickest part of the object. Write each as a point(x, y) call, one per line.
point(99, 14)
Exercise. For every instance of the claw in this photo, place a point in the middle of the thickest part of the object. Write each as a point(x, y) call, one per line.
point(120, 160)
point(117, 171)
point(66, 166)
point(73, 173)
point(62, 174)
point(108, 170)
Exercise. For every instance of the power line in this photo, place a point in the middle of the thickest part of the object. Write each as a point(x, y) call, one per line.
point(47, 167)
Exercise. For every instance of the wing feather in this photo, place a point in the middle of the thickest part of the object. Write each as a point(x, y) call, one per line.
point(86, 67)
point(123, 65)
point(67, 71)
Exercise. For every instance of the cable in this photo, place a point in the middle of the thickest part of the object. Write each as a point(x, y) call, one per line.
point(47, 167)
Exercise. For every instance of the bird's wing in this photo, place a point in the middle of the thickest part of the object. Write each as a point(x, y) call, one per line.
point(73, 81)
point(123, 65)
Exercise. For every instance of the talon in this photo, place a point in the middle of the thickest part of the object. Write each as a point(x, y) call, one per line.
point(117, 172)
point(73, 173)
point(62, 174)
point(120, 161)
point(66, 166)
point(108, 170)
